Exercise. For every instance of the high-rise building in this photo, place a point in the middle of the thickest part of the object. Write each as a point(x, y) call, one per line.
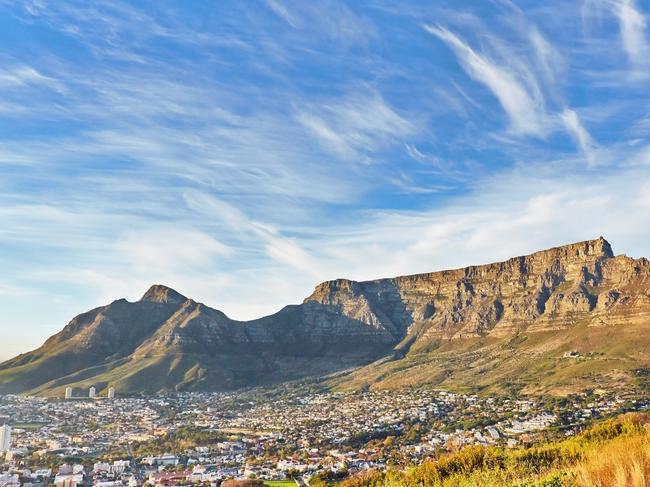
point(91, 393)
point(111, 392)
point(68, 392)
point(5, 438)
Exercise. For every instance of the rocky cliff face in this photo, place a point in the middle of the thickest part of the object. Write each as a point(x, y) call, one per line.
point(548, 290)
point(166, 340)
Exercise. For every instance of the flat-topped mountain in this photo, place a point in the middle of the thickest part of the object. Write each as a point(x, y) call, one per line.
point(498, 326)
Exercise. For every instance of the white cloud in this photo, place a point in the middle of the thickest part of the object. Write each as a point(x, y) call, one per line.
point(548, 57)
point(525, 110)
point(512, 214)
point(254, 234)
point(633, 32)
point(356, 126)
point(580, 135)
point(177, 248)
point(283, 12)
point(21, 76)
point(508, 215)
point(191, 172)
point(290, 252)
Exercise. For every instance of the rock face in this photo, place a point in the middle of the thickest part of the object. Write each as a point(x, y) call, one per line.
point(167, 341)
point(547, 290)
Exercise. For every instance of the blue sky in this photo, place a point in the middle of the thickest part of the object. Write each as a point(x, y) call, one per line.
point(242, 152)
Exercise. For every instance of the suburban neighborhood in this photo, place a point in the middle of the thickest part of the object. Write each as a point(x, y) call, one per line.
point(195, 438)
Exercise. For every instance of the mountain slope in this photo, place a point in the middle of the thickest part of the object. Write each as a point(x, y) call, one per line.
point(488, 327)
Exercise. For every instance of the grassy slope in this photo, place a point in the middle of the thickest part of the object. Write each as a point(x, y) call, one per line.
point(32, 369)
point(531, 363)
point(614, 453)
point(150, 374)
point(174, 371)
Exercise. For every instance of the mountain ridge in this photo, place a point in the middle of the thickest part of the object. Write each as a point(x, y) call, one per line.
point(166, 341)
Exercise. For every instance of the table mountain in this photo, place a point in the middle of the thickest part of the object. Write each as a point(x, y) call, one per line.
point(496, 327)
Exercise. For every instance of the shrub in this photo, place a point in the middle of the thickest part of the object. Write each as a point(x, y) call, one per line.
point(613, 453)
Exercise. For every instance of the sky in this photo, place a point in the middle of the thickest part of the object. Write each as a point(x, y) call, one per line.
point(242, 152)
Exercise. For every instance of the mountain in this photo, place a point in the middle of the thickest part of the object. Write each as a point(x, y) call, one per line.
point(498, 327)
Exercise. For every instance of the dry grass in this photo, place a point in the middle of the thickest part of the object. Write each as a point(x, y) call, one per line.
point(612, 453)
point(624, 462)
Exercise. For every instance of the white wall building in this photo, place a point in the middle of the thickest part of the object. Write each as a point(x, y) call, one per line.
point(68, 480)
point(9, 480)
point(68, 392)
point(120, 466)
point(5, 438)
point(91, 393)
point(111, 392)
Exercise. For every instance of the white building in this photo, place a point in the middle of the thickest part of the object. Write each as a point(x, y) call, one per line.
point(493, 432)
point(5, 438)
point(9, 480)
point(100, 467)
point(91, 393)
point(120, 466)
point(68, 392)
point(108, 483)
point(111, 392)
point(68, 480)
point(166, 459)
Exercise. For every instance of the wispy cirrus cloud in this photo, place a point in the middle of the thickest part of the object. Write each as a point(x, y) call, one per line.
point(580, 135)
point(632, 32)
point(520, 92)
point(356, 125)
point(550, 60)
point(244, 154)
point(17, 76)
point(633, 28)
point(283, 12)
point(525, 109)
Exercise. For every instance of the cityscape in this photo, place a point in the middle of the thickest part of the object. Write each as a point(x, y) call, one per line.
point(272, 435)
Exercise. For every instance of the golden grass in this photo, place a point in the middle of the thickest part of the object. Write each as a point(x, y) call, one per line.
point(624, 462)
point(612, 453)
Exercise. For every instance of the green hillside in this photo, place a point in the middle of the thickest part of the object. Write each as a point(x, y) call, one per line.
point(609, 358)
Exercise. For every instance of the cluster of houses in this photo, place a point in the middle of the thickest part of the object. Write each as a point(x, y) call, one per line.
point(252, 434)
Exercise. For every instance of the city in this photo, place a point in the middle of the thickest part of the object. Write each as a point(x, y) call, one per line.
point(274, 435)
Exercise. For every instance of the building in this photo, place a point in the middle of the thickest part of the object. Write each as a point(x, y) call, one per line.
point(120, 466)
point(493, 432)
point(9, 480)
point(68, 392)
point(91, 393)
point(68, 480)
point(5, 438)
point(111, 392)
point(164, 460)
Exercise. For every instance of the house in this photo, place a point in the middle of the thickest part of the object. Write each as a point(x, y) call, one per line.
point(69, 480)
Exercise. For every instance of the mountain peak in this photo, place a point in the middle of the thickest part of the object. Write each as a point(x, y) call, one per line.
point(598, 247)
point(572, 297)
point(159, 293)
point(605, 247)
point(586, 250)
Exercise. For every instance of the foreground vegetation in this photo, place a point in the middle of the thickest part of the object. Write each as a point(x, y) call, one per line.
point(613, 453)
